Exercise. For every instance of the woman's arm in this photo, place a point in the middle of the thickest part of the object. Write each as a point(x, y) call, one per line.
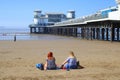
point(45, 66)
point(65, 61)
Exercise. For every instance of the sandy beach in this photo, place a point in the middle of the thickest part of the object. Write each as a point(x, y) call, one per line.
point(100, 59)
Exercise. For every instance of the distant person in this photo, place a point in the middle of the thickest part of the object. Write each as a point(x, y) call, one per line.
point(70, 62)
point(50, 62)
point(14, 38)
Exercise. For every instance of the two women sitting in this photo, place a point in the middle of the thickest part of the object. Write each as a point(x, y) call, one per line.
point(70, 62)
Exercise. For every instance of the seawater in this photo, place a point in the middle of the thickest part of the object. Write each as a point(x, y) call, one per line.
point(24, 34)
point(13, 31)
point(8, 34)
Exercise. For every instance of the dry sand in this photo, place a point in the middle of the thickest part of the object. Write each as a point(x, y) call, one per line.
point(101, 59)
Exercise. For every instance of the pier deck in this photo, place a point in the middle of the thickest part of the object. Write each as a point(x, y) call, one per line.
point(102, 29)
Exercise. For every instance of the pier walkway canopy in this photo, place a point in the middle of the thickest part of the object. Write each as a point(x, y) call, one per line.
point(100, 15)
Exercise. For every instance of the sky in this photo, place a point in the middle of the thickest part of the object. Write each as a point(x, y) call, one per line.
point(19, 13)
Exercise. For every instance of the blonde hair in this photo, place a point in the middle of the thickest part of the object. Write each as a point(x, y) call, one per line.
point(72, 54)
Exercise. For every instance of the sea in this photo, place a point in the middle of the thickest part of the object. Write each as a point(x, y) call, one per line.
point(24, 34)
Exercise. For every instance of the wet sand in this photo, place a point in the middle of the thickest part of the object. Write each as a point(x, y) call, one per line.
point(101, 59)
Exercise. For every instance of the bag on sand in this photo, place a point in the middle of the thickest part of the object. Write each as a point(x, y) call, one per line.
point(79, 66)
point(40, 66)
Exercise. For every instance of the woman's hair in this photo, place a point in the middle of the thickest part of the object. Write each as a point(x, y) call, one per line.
point(72, 53)
point(50, 54)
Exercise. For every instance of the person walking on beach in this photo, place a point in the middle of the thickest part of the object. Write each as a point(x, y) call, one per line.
point(15, 38)
point(70, 62)
point(50, 62)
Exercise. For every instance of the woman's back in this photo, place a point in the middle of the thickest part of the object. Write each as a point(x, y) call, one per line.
point(51, 63)
point(72, 61)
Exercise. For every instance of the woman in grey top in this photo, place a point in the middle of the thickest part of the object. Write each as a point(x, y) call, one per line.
point(50, 62)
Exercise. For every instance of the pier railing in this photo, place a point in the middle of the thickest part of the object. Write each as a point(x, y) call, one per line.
point(83, 19)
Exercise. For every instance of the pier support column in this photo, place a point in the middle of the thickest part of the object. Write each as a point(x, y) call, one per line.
point(75, 32)
point(118, 30)
point(31, 30)
point(97, 33)
point(55, 31)
point(72, 32)
point(49, 30)
point(35, 30)
point(45, 30)
point(112, 32)
point(91, 33)
point(107, 31)
point(93, 30)
point(79, 32)
point(87, 33)
point(60, 31)
point(68, 31)
point(63, 31)
point(82, 33)
point(103, 32)
point(39, 29)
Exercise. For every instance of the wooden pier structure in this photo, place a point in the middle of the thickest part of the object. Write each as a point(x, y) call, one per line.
point(102, 25)
point(103, 29)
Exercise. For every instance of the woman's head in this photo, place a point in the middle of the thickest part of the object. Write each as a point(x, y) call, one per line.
point(71, 54)
point(50, 54)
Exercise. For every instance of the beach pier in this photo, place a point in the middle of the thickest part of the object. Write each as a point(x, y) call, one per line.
point(108, 30)
point(103, 25)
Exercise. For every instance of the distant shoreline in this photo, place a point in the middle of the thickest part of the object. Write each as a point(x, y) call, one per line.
point(28, 36)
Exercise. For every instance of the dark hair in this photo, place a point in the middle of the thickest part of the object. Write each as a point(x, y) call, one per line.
point(50, 54)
